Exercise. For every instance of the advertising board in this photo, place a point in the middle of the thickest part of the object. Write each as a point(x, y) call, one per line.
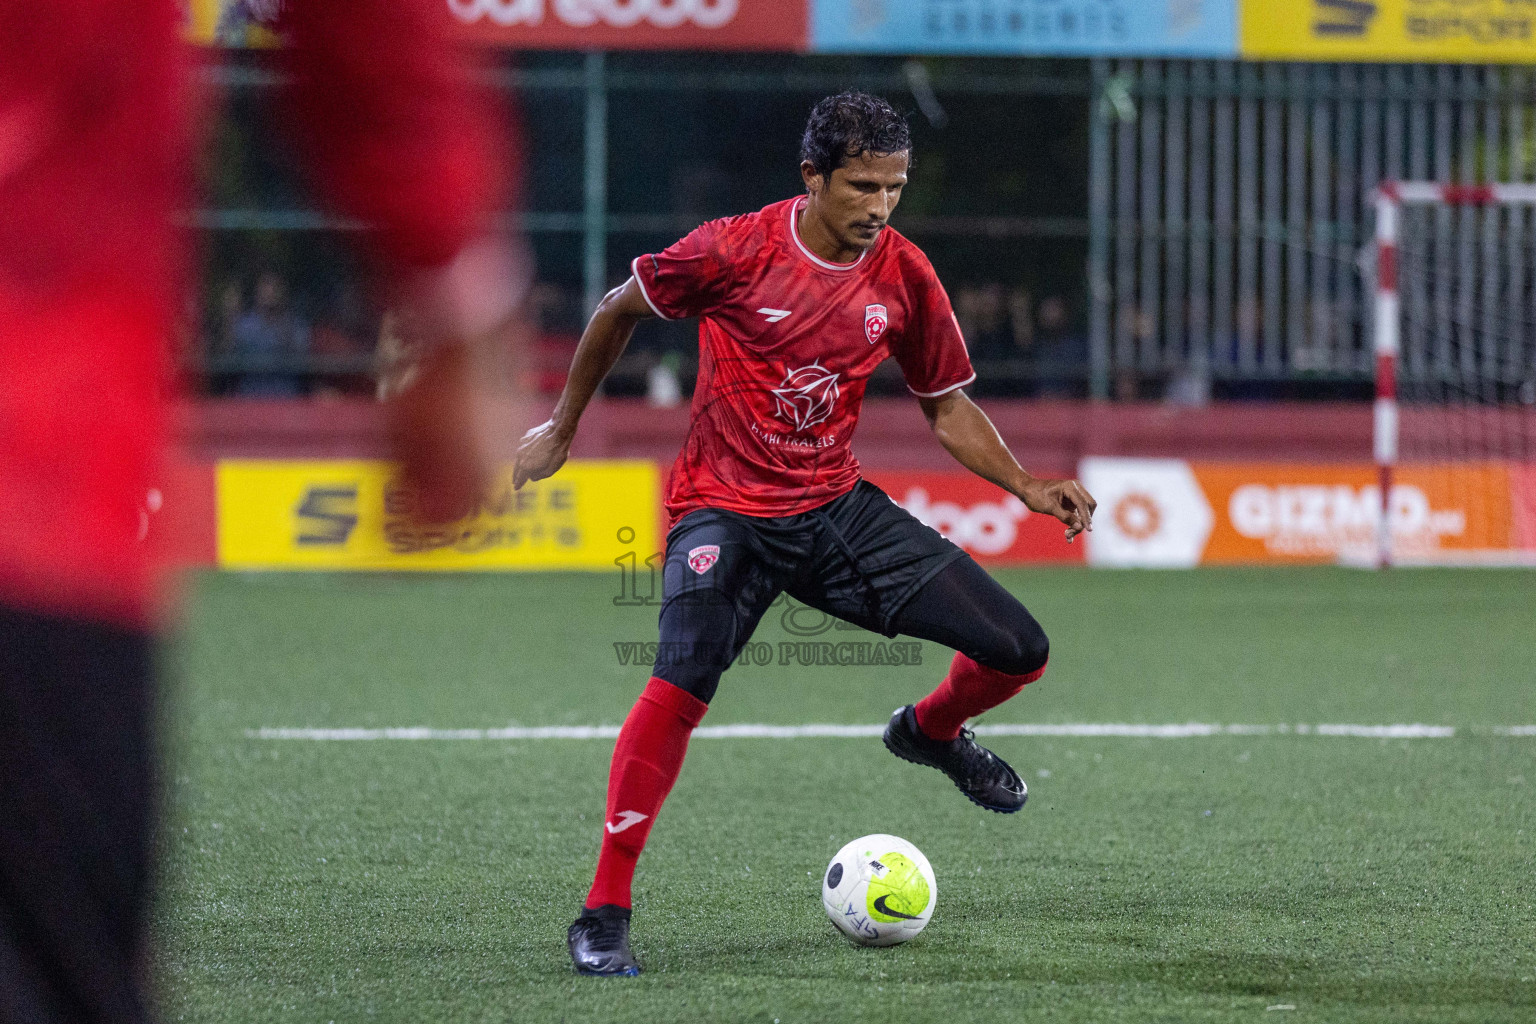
point(1465, 31)
point(1480, 31)
point(179, 517)
point(774, 25)
point(355, 515)
point(1168, 513)
point(991, 525)
point(1153, 513)
point(1169, 28)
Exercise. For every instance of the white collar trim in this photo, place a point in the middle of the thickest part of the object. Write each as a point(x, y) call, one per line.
point(794, 232)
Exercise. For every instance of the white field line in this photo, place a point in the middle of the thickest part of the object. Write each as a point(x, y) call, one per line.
point(1187, 730)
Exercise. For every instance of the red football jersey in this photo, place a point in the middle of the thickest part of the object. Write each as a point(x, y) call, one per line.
point(787, 342)
point(94, 149)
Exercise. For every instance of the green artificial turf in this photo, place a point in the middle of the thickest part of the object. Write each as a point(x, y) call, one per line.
point(1200, 879)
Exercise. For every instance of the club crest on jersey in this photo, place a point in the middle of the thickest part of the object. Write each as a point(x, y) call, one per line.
point(703, 557)
point(807, 396)
point(875, 322)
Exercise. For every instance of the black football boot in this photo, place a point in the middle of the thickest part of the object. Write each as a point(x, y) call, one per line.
point(599, 942)
point(980, 774)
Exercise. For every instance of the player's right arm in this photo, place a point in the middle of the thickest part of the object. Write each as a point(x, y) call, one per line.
point(544, 449)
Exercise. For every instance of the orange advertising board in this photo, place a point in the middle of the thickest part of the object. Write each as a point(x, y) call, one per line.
point(1171, 513)
point(1325, 513)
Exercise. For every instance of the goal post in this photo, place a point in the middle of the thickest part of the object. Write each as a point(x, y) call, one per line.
point(1455, 370)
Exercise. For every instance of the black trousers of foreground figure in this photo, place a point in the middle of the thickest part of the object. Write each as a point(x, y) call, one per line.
point(77, 802)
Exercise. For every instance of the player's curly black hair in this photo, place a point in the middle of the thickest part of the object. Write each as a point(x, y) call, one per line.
point(848, 125)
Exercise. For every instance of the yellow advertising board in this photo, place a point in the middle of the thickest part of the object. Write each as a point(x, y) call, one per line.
point(1476, 31)
point(228, 23)
point(355, 515)
point(199, 20)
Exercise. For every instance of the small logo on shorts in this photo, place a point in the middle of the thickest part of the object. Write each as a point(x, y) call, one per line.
point(701, 558)
point(875, 322)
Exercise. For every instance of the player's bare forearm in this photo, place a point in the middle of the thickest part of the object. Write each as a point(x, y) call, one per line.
point(967, 434)
point(604, 340)
point(545, 448)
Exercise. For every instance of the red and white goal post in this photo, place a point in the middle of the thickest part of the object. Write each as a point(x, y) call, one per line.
point(1455, 353)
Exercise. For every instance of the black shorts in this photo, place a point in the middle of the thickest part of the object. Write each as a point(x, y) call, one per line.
point(860, 557)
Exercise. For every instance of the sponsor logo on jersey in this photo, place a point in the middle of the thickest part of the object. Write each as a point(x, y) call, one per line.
point(807, 396)
point(876, 320)
point(703, 557)
point(773, 316)
point(811, 441)
point(626, 819)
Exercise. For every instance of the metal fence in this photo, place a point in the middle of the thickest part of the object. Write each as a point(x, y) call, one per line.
point(610, 136)
point(1230, 205)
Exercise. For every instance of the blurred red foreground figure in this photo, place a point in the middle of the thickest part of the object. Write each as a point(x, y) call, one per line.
point(95, 147)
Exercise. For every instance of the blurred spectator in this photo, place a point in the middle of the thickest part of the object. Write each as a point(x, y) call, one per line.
point(222, 328)
point(1021, 317)
point(1189, 385)
point(340, 348)
point(269, 341)
point(1061, 351)
point(1135, 326)
point(556, 309)
point(999, 329)
point(1243, 385)
point(995, 322)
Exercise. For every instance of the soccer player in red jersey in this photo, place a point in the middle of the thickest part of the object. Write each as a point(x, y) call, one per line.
point(798, 304)
point(95, 148)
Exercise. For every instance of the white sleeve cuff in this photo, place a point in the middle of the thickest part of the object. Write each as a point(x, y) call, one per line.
point(634, 268)
point(942, 391)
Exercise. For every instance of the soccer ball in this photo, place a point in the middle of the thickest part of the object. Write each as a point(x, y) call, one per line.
point(879, 890)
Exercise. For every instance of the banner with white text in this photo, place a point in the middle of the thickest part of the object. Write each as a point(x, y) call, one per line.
point(1168, 513)
point(991, 525)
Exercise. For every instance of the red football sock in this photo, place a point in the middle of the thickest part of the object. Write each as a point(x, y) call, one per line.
point(966, 692)
point(646, 760)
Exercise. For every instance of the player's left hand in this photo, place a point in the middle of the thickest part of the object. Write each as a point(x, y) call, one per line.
point(1064, 499)
point(540, 454)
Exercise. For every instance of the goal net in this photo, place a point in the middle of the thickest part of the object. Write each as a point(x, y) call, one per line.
point(1455, 343)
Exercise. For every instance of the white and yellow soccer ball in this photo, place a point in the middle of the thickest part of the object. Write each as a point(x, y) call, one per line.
point(879, 890)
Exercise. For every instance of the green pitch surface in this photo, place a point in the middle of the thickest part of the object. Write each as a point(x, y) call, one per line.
point(1230, 877)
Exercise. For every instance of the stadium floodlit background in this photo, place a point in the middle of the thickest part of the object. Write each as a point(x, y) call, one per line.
point(1267, 785)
